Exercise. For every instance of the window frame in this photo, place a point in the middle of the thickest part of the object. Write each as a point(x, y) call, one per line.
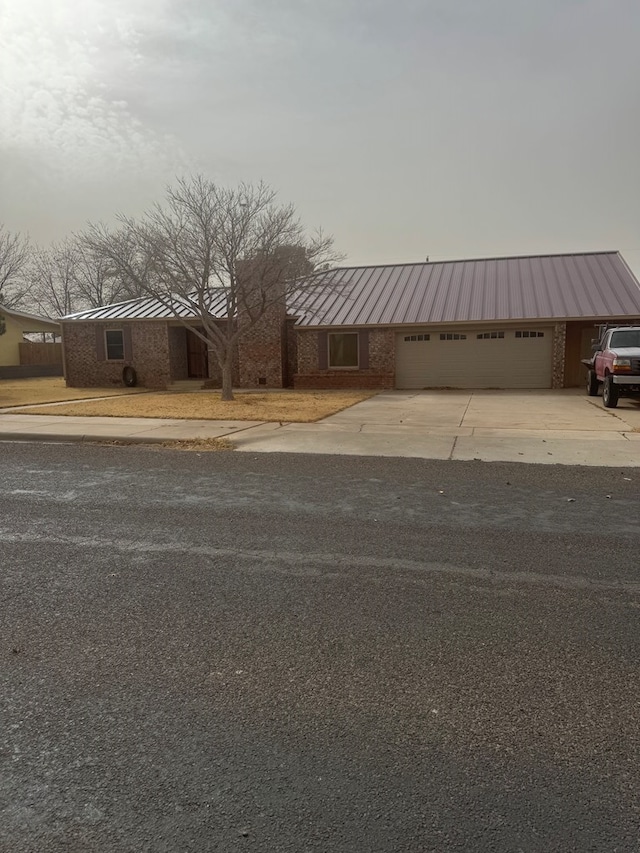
point(107, 357)
point(528, 334)
point(331, 366)
point(491, 335)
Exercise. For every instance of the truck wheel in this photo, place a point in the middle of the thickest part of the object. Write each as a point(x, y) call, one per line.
point(610, 393)
point(592, 383)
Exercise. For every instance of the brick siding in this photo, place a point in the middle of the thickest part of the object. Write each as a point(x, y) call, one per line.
point(379, 374)
point(358, 379)
point(149, 355)
point(260, 351)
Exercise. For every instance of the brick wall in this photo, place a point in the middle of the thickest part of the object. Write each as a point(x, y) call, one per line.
point(379, 374)
point(260, 351)
point(149, 355)
point(215, 373)
point(343, 379)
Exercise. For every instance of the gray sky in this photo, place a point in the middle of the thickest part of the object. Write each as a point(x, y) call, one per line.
point(453, 128)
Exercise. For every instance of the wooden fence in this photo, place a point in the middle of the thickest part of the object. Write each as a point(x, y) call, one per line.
point(37, 353)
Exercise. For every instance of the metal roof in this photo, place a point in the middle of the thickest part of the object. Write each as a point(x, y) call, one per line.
point(549, 287)
point(537, 287)
point(149, 308)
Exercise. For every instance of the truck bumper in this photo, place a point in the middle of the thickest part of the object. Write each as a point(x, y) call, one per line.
point(626, 380)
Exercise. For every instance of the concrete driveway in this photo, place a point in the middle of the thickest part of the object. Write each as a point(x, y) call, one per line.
point(533, 426)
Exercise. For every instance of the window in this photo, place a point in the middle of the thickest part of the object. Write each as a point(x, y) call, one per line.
point(343, 349)
point(450, 336)
point(490, 336)
point(626, 338)
point(417, 337)
point(114, 344)
point(527, 333)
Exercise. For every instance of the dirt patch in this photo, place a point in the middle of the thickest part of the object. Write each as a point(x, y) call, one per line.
point(27, 392)
point(277, 406)
point(202, 445)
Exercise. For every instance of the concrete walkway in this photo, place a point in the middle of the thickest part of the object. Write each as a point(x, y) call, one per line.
point(537, 427)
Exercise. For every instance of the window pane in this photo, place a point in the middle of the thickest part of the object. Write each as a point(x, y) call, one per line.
point(115, 345)
point(343, 350)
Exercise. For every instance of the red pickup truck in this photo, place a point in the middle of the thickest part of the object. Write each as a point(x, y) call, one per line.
point(616, 363)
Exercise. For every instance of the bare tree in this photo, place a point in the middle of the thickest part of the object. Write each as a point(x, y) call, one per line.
point(97, 280)
point(15, 252)
point(51, 273)
point(228, 255)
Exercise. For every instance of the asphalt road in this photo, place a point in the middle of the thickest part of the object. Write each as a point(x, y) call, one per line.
point(226, 652)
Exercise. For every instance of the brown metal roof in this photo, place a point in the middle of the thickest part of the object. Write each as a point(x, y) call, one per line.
point(148, 308)
point(540, 287)
point(537, 287)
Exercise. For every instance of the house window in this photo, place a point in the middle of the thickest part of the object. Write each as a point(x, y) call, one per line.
point(114, 344)
point(417, 337)
point(343, 349)
point(490, 336)
point(451, 336)
point(527, 333)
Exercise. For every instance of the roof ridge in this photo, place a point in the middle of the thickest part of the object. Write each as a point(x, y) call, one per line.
point(471, 260)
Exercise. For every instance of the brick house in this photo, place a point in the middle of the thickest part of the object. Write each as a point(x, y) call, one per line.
point(522, 322)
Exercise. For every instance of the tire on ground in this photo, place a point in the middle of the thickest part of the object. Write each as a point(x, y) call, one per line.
point(592, 383)
point(129, 377)
point(610, 393)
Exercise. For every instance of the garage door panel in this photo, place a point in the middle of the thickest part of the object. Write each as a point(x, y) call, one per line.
point(519, 359)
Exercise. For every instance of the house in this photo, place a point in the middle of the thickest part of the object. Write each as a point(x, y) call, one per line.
point(514, 322)
point(19, 356)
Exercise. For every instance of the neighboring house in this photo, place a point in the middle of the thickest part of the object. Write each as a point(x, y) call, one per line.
point(521, 322)
point(20, 356)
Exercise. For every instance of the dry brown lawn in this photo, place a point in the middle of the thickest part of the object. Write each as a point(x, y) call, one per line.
point(26, 392)
point(283, 406)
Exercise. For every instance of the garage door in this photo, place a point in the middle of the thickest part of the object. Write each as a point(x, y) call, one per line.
point(475, 358)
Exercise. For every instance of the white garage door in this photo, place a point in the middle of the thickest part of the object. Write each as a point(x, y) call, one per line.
point(475, 358)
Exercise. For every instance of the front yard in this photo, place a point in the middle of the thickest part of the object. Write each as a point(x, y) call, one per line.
point(282, 406)
point(27, 392)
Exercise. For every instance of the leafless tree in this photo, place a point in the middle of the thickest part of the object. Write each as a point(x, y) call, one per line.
point(227, 254)
point(15, 252)
point(51, 273)
point(70, 276)
point(97, 280)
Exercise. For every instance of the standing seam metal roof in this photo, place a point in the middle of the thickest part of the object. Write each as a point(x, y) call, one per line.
point(148, 308)
point(535, 287)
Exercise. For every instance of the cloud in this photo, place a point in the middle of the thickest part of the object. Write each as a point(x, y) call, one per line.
point(60, 125)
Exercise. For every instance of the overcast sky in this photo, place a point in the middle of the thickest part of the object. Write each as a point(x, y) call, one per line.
point(449, 128)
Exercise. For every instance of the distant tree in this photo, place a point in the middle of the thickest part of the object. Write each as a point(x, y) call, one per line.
point(51, 273)
point(209, 247)
point(97, 280)
point(15, 252)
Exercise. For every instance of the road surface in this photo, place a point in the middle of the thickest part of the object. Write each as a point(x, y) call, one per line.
point(228, 652)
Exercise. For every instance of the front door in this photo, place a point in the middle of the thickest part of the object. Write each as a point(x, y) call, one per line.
point(197, 359)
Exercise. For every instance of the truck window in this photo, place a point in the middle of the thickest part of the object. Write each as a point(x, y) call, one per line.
point(625, 338)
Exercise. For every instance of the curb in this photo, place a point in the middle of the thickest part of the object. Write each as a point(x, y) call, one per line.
point(80, 439)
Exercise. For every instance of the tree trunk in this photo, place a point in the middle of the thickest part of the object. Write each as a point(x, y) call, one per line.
point(227, 384)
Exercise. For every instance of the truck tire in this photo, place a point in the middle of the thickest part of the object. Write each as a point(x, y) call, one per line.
point(610, 393)
point(592, 383)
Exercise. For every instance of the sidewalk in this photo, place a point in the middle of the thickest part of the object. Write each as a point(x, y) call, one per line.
point(341, 435)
